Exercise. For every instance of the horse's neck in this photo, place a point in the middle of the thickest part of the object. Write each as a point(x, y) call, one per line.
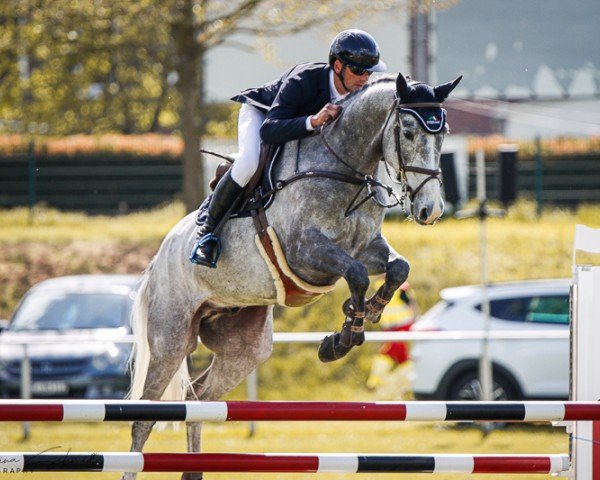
point(356, 135)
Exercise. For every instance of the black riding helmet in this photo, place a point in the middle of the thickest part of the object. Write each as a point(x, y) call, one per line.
point(358, 48)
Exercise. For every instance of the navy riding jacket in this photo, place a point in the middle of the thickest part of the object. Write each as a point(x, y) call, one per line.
point(301, 92)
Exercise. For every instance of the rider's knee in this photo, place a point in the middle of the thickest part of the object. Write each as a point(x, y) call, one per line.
point(244, 168)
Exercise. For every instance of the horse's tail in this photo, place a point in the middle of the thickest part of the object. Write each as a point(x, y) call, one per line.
point(140, 353)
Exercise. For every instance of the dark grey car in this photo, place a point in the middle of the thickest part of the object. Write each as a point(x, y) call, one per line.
point(74, 327)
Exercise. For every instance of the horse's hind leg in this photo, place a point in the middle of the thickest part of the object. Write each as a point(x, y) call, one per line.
point(240, 343)
point(168, 346)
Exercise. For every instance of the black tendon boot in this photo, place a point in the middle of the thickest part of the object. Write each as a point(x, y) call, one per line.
point(208, 246)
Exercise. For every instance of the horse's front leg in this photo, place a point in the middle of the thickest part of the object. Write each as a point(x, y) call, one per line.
point(379, 258)
point(326, 257)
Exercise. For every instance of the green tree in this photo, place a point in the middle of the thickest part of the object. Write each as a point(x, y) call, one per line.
point(80, 66)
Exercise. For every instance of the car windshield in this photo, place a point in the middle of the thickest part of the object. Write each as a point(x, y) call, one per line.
point(65, 311)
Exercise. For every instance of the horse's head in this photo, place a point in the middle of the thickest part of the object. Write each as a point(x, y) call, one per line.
point(414, 143)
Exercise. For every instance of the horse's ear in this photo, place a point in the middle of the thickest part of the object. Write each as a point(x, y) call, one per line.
point(442, 91)
point(402, 87)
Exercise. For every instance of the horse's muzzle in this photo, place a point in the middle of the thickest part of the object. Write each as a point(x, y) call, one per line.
point(427, 214)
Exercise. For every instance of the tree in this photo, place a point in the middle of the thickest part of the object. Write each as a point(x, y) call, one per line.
point(73, 66)
point(82, 67)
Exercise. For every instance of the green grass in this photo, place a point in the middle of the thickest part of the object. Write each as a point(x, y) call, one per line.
point(54, 227)
point(294, 437)
point(520, 246)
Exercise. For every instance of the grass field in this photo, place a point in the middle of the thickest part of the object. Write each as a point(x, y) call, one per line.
point(282, 437)
point(520, 246)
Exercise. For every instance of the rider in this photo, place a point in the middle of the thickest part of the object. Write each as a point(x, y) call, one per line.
point(284, 110)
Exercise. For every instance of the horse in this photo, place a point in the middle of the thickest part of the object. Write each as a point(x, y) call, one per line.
point(391, 120)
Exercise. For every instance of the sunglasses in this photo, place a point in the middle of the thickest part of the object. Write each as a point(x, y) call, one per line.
point(357, 70)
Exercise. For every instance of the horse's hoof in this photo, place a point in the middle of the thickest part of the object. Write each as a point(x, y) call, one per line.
point(331, 350)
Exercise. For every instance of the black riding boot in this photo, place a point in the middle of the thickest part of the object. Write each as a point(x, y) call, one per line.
point(208, 246)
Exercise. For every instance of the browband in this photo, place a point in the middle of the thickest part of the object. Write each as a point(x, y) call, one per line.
point(419, 105)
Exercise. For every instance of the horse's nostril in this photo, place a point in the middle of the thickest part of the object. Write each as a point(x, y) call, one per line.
point(423, 215)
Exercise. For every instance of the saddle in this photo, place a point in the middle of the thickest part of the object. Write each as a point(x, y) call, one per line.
point(260, 182)
point(258, 195)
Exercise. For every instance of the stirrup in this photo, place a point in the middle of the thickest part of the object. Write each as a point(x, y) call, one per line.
point(198, 258)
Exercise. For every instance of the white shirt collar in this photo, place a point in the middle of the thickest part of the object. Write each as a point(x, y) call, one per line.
point(335, 96)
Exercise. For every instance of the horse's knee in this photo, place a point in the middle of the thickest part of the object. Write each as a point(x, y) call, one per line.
point(357, 277)
point(398, 270)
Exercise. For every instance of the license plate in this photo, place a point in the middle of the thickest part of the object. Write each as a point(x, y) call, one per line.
point(49, 388)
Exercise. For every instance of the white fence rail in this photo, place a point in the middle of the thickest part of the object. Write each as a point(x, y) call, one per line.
point(285, 337)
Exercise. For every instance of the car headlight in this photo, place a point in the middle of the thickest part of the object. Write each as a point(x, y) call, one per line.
point(113, 357)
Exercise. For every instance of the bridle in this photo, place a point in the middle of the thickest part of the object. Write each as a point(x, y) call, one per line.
point(432, 174)
point(369, 182)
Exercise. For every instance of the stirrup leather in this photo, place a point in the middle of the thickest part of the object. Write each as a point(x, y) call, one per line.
point(198, 259)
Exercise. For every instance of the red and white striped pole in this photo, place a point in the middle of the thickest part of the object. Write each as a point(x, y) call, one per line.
point(104, 411)
point(280, 462)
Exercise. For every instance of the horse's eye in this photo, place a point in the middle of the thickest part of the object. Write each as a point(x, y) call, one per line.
point(408, 135)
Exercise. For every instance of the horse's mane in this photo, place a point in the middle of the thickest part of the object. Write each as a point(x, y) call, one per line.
point(366, 86)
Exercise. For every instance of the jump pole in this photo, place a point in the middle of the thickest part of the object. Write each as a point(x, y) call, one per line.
point(585, 353)
point(280, 462)
point(128, 411)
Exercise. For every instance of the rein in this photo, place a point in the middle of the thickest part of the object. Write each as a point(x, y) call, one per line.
point(367, 182)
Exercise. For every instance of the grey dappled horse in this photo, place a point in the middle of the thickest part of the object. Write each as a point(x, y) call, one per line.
point(230, 307)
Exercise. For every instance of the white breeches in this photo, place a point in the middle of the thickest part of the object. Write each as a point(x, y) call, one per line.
point(246, 159)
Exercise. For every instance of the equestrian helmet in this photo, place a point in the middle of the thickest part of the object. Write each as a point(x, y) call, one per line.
point(358, 48)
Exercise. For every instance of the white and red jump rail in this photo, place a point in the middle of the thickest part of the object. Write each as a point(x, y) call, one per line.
point(581, 416)
point(107, 411)
point(128, 411)
point(281, 463)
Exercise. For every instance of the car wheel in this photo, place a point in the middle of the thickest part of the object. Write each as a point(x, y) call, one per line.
point(467, 387)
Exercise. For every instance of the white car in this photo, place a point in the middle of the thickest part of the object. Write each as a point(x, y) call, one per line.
point(522, 369)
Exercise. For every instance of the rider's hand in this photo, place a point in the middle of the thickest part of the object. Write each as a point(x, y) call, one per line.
point(329, 112)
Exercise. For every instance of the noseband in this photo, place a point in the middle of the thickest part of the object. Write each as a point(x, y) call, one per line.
point(404, 168)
